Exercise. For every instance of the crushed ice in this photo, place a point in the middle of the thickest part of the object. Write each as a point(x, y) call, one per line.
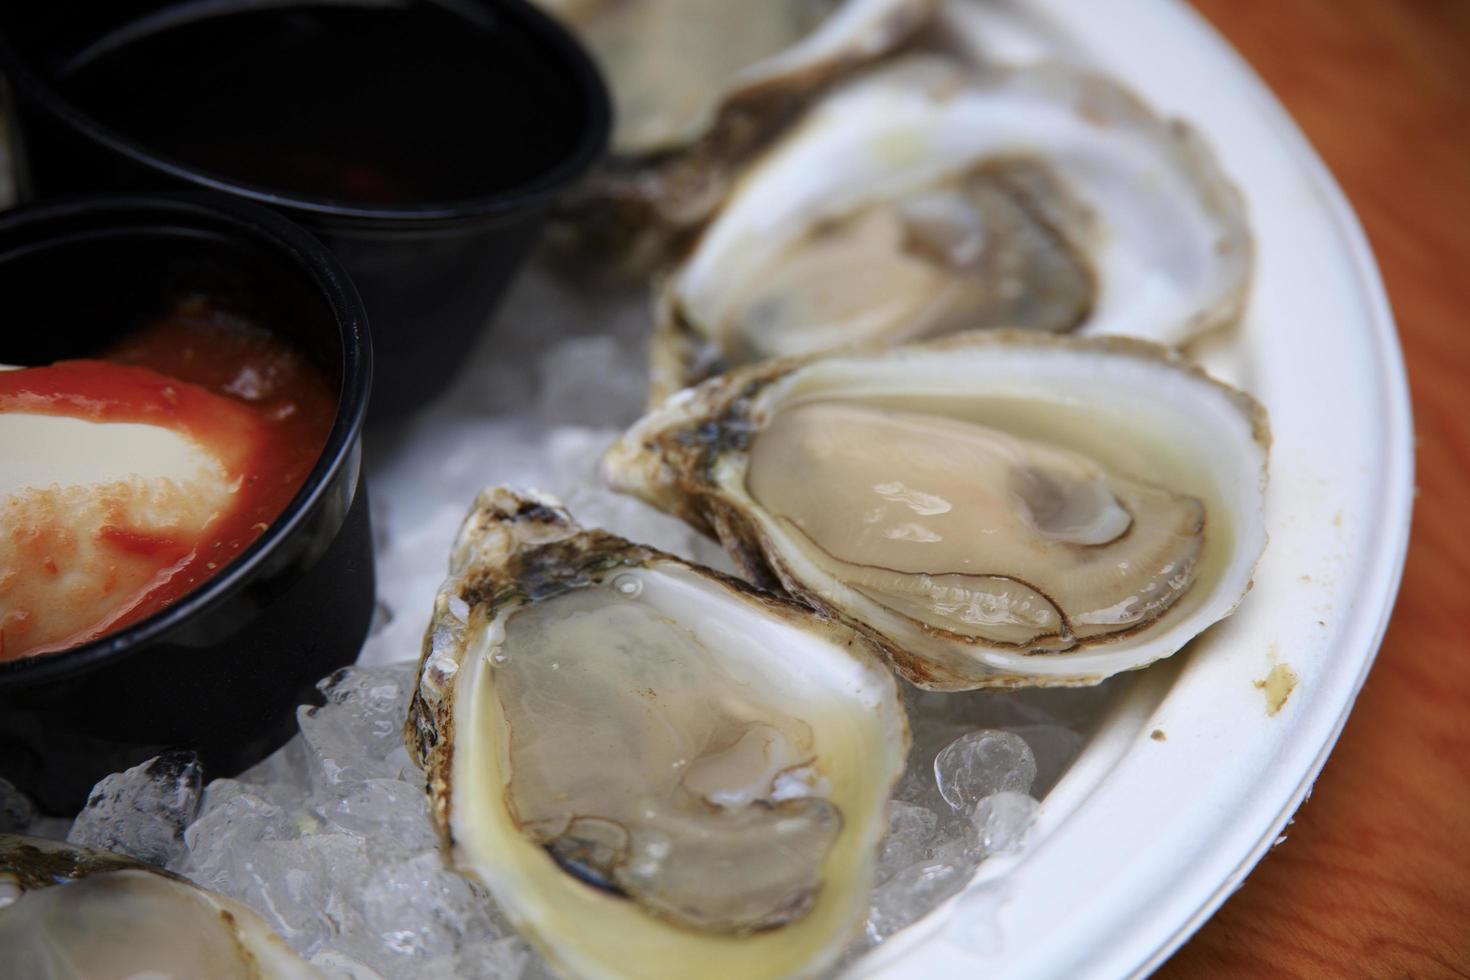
point(329, 839)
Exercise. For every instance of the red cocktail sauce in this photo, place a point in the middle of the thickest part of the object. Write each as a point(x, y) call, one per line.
point(244, 395)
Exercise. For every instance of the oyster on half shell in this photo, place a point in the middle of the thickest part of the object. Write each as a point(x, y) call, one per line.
point(994, 508)
point(655, 769)
point(924, 197)
point(698, 85)
point(72, 912)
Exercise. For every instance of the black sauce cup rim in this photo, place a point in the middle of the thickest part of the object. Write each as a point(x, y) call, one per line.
point(587, 151)
point(326, 274)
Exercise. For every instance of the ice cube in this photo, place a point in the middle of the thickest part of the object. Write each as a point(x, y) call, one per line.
point(420, 909)
point(977, 764)
point(1002, 820)
point(358, 733)
point(507, 958)
point(389, 811)
point(910, 834)
point(282, 778)
point(232, 820)
point(912, 893)
point(372, 702)
point(308, 889)
point(142, 812)
point(333, 964)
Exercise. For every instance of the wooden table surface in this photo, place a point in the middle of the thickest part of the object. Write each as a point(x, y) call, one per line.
point(1374, 877)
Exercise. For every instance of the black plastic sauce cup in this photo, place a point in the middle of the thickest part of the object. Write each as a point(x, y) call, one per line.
point(222, 669)
point(422, 140)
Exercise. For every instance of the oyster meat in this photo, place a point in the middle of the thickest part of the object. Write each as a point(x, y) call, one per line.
point(698, 85)
point(993, 508)
point(657, 771)
point(72, 912)
point(925, 197)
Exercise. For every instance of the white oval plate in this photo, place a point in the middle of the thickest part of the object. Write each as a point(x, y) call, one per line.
point(1143, 839)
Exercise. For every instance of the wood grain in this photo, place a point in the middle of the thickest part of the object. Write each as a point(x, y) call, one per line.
point(1374, 878)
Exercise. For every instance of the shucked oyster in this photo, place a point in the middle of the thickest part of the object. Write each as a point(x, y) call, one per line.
point(992, 508)
point(697, 85)
point(74, 913)
point(924, 198)
point(657, 771)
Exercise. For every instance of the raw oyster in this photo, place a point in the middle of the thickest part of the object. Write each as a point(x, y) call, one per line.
point(924, 198)
point(656, 770)
point(698, 85)
point(72, 912)
point(994, 508)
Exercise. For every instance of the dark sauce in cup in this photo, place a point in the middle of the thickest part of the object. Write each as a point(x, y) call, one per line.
point(380, 104)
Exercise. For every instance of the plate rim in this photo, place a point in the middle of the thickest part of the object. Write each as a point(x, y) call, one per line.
point(1398, 498)
point(1144, 948)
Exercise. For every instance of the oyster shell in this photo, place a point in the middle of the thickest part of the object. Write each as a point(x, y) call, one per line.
point(1003, 32)
point(698, 85)
point(610, 732)
point(924, 197)
point(993, 509)
point(68, 911)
